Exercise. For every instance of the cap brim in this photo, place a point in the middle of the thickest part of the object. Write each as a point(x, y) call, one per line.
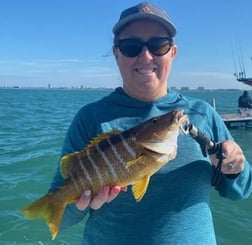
point(167, 24)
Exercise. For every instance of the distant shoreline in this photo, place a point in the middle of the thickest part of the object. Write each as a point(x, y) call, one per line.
point(110, 89)
point(56, 88)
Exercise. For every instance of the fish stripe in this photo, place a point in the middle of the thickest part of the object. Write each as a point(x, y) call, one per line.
point(117, 154)
point(127, 134)
point(74, 180)
point(104, 145)
point(119, 157)
point(85, 173)
point(97, 170)
point(81, 180)
point(128, 148)
point(106, 161)
point(115, 139)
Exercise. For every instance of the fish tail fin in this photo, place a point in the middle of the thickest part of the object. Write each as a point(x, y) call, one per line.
point(46, 208)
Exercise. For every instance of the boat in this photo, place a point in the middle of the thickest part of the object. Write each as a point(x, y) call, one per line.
point(245, 80)
point(241, 119)
point(240, 73)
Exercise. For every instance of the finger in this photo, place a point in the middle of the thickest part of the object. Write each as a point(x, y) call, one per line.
point(84, 200)
point(114, 192)
point(124, 189)
point(234, 164)
point(101, 198)
point(230, 148)
point(234, 167)
point(214, 160)
point(235, 161)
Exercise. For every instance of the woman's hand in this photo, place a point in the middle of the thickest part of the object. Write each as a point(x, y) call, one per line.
point(234, 160)
point(105, 195)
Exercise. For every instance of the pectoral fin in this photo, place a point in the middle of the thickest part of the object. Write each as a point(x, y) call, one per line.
point(135, 161)
point(140, 188)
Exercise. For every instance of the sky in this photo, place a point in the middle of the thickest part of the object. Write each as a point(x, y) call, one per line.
point(67, 43)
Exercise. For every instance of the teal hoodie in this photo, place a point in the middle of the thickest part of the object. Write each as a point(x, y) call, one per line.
point(176, 206)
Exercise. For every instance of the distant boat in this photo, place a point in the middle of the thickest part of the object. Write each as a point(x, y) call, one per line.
point(240, 73)
point(245, 80)
point(242, 119)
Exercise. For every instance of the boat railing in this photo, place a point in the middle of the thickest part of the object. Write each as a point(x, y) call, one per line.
point(245, 112)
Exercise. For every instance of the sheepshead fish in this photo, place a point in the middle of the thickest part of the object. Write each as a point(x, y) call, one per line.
point(124, 158)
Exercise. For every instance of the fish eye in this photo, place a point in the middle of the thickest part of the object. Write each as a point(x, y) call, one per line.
point(154, 120)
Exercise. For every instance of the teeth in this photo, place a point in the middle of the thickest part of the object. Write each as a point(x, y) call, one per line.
point(146, 71)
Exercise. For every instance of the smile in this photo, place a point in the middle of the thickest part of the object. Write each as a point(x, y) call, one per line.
point(145, 71)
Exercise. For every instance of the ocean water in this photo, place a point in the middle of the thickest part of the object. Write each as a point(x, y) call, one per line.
point(33, 124)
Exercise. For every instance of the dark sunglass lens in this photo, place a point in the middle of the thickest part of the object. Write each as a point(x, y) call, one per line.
point(159, 46)
point(130, 47)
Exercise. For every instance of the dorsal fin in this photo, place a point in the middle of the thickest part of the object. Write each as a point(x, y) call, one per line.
point(101, 137)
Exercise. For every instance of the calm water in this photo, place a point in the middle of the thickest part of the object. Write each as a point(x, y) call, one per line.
point(32, 128)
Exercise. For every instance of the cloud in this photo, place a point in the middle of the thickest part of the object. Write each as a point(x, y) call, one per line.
point(50, 62)
point(207, 79)
point(219, 75)
point(62, 72)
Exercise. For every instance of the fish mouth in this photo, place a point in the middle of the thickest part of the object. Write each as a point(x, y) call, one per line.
point(155, 153)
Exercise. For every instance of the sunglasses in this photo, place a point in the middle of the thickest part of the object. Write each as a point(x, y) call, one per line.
point(132, 47)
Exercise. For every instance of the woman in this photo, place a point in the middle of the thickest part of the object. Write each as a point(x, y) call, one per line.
point(175, 209)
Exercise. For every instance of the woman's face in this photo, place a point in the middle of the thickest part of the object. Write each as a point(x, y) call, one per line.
point(144, 76)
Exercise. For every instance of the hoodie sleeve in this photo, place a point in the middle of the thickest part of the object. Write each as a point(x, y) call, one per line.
point(239, 187)
point(234, 187)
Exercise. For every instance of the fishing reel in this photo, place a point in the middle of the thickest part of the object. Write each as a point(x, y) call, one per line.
point(208, 147)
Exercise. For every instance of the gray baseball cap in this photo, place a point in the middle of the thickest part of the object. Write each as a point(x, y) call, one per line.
point(148, 11)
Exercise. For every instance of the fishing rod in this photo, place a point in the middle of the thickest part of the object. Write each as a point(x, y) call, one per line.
point(207, 146)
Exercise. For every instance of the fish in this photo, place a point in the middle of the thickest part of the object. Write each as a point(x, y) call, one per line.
point(123, 158)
